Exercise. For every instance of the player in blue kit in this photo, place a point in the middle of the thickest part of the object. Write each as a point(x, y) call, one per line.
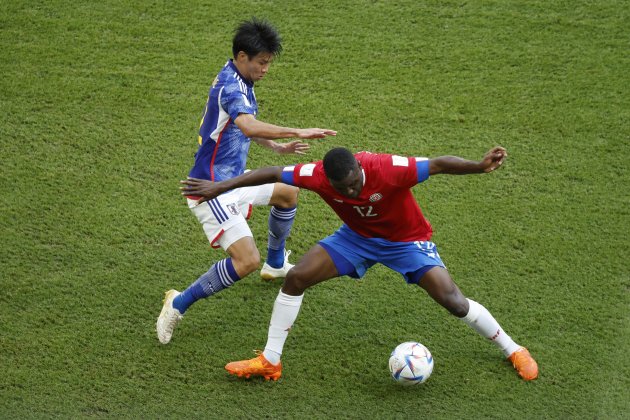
point(229, 123)
point(383, 224)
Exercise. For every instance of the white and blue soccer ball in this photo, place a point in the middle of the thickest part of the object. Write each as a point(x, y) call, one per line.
point(411, 363)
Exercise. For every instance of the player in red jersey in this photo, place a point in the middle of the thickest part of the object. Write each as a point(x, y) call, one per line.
point(382, 224)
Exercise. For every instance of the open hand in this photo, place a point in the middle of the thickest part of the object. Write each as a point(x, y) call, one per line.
point(295, 146)
point(200, 187)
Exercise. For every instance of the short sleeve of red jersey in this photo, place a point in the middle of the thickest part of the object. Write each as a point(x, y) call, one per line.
point(301, 175)
point(422, 166)
point(399, 170)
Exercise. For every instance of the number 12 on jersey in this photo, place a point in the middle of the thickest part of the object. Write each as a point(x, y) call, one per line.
point(365, 211)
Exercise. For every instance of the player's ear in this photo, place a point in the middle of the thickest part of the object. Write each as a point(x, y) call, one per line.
point(242, 55)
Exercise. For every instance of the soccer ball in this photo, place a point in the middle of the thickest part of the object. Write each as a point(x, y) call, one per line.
point(411, 363)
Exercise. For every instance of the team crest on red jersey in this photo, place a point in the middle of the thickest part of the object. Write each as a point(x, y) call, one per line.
point(375, 197)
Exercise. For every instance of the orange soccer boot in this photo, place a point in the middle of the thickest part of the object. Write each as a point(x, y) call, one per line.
point(524, 364)
point(258, 366)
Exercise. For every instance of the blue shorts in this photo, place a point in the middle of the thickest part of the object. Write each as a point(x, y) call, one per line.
point(353, 254)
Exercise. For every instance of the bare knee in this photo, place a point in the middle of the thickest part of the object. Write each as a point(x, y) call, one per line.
point(444, 291)
point(245, 264)
point(284, 196)
point(295, 283)
point(314, 267)
point(457, 304)
point(451, 298)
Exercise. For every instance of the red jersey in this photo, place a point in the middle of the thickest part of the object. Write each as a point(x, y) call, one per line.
point(385, 208)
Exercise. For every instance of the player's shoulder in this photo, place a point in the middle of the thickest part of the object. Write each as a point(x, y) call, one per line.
point(224, 74)
point(230, 80)
point(310, 169)
point(311, 175)
point(367, 157)
point(381, 159)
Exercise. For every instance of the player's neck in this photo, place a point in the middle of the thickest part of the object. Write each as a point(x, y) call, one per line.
point(242, 71)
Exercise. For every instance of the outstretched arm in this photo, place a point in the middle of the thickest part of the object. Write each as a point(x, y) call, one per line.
point(209, 190)
point(251, 127)
point(454, 165)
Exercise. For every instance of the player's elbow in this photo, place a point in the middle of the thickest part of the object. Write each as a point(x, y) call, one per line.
point(248, 125)
point(435, 166)
point(250, 131)
point(443, 165)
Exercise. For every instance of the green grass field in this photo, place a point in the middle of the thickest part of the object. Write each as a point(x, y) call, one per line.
point(100, 106)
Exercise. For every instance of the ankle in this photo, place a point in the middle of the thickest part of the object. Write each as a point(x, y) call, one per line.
point(272, 356)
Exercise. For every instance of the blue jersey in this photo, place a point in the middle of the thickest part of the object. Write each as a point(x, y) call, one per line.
point(223, 148)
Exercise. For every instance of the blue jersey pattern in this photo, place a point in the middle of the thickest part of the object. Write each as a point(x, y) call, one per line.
point(223, 148)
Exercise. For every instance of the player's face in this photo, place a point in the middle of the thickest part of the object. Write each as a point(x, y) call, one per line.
point(351, 185)
point(256, 67)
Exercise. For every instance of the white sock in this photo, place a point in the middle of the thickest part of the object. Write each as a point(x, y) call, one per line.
point(482, 321)
point(285, 311)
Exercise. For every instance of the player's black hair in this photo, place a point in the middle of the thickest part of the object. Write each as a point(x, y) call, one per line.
point(338, 163)
point(255, 36)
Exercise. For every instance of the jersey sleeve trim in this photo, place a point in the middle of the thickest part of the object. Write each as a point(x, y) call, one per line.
point(422, 166)
point(287, 175)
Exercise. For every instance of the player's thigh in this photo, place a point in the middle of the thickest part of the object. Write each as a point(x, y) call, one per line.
point(222, 220)
point(277, 194)
point(411, 259)
point(242, 247)
point(258, 195)
point(284, 195)
point(351, 253)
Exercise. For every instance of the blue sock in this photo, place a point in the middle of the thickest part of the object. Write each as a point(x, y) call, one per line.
point(280, 222)
point(220, 276)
